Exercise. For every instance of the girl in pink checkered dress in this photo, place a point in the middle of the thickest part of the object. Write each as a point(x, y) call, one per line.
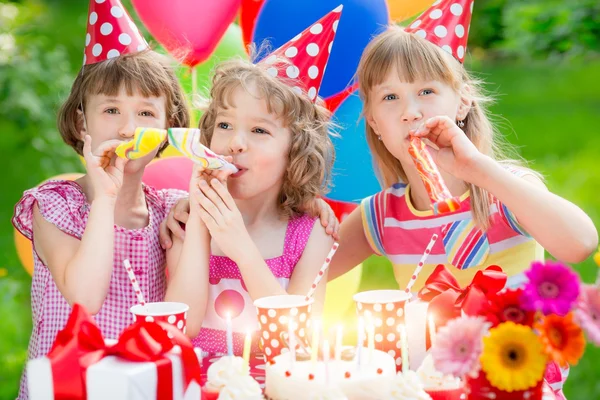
point(83, 230)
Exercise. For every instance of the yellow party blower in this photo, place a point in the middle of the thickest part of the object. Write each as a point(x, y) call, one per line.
point(143, 143)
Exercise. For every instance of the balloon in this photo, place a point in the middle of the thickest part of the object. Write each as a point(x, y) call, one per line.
point(248, 13)
point(332, 103)
point(189, 29)
point(353, 174)
point(230, 46)
point(280, 20)
point(403, 9)
point(169, 173)
point(22, 244)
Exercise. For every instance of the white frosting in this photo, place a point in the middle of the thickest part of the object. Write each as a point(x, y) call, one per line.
point(329, 393)
point(408, 386)
point(241, 388)
point(433, 379)
point(224, 370)
point(365, 383)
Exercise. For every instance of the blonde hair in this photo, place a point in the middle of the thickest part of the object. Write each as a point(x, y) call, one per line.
point(146, 71)
point(311, 153)
point(415, 58)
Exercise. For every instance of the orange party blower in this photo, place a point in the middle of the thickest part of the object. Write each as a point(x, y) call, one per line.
point(441, 199)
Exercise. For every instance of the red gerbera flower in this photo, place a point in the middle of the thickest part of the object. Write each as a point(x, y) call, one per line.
point(506, 306)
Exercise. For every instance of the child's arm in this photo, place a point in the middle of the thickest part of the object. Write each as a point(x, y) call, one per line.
point(82, 269)
point(354, 246)
point(170, 226)
point(316, 250)
point(188, 266)
point(558, 225)
point(561, 227)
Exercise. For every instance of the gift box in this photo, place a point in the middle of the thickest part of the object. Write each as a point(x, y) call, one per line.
point(444, 299)
point(144, 363)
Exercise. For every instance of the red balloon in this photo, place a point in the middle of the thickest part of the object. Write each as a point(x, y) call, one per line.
point(189, 29)
point(169, 173)
point(248, 13)
point(341, 209)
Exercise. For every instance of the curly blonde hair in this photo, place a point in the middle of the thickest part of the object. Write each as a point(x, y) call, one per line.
point(147, 71)
point(311, 154)
point(415, 58)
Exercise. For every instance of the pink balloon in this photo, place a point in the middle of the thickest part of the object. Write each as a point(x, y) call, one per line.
point(169, 173)
point(189, 29)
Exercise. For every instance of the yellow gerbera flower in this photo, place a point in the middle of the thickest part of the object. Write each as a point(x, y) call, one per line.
point(513, 357)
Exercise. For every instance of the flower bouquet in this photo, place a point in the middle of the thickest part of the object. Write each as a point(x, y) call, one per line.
point(521, 335)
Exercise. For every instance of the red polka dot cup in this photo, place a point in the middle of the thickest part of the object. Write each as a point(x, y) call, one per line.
point(384, 309)
point(273, 317)
point(170, 312)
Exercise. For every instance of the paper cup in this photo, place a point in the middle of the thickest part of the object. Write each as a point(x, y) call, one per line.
point(273, 317)
point(451, 394)
point(385, 309)
point(164, 311)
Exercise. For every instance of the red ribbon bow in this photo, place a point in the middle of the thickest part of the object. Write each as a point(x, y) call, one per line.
point(446, 298)
point(80, 344)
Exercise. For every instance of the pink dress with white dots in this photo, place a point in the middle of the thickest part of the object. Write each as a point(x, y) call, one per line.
point(228, 294)
point(63, 204)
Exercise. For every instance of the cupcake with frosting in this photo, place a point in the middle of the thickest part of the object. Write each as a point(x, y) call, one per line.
point(407, 386)
point(220, 373)
point(438, 385)
point(241, 388)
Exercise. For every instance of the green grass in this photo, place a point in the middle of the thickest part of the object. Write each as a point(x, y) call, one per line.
point(553, 118)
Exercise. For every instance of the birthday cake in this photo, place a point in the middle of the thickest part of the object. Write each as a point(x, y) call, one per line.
point(303, 379)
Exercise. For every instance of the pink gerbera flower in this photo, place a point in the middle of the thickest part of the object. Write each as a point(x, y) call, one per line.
point(458, 346)
point(552, 288)
point(588, 312)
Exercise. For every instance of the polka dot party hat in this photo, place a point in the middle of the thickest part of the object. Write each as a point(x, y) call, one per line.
point(446, 24)
point(301, 62)
point(110, 32)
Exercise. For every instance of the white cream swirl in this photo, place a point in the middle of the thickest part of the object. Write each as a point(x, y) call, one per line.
point(241, 388)
point(432, 379)
point(408, 386)
point(224, 370)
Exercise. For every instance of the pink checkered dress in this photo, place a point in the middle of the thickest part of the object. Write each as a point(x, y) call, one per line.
point(63, 204)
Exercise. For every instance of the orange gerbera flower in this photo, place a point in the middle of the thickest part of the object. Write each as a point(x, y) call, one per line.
point(563, 339)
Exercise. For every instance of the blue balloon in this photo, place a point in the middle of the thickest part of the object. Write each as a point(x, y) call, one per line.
point(353, 173)
point(280, 20)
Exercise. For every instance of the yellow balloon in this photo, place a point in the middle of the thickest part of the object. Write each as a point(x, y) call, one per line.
point(22, 244)
point(402, 9)
point(338, 299)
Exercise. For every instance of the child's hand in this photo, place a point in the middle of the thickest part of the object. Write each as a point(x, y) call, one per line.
point(456, 154)
point(200, 174)
point(106, 178)
point(222, 217)
point(328, 219)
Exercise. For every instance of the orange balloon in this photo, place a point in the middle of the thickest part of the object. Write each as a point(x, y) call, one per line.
point(22, 244)
point(402, 9)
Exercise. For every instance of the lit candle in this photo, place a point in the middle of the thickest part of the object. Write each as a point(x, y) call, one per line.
point(361, 339)
point(247, 343)
point(432, 333)
point(338, 342)
point(404, 348)
point(229, 335)
point(326, 359)
point(371, 339)
point(292, 341)
point(314, 348)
